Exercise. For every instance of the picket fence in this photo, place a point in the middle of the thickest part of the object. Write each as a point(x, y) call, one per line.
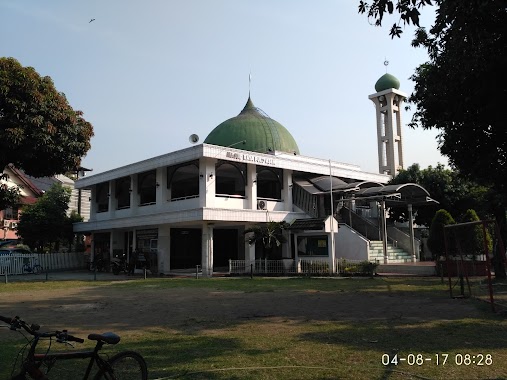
point(292, 267)
point(20, 263)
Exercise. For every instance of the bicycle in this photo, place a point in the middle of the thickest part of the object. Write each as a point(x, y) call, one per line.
point(35, 269)
point(123, 365)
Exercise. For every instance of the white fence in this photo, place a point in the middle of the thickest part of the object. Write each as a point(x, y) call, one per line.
point(20, 263)
point(301, 266)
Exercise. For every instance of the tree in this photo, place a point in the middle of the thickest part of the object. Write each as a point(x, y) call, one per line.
point(270, 235)
point(40, 132)
point(43, 224)
point(462, 89)
point(449, 188)
point(471, 238)
point(436, 239)
point(407, 9)
point(9, 196)
point(68, 234)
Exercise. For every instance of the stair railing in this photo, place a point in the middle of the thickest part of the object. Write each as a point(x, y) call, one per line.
point(366, 228)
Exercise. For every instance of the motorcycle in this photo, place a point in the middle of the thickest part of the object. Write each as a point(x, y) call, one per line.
point(119, 264)
point(99, 264)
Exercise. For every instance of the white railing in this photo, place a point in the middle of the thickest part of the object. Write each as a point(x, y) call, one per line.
point(310, 266)
point(13, 264)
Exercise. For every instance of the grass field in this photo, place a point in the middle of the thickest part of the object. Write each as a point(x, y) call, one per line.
point(364, 322)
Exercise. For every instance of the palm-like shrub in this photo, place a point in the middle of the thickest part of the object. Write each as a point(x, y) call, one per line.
point(269, 234)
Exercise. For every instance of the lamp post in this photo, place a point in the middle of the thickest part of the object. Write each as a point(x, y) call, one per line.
point(80, 171)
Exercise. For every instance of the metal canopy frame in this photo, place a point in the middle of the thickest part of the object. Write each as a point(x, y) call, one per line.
point(408, 195)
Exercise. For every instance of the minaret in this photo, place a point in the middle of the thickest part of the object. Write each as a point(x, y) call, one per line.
point(388, 104)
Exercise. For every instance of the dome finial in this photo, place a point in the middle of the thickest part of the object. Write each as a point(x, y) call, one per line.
point(249, 83)
point(386, 63)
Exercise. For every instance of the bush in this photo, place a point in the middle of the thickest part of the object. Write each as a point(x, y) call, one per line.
point(436, 238)
point(471, 238)
point(363, 268)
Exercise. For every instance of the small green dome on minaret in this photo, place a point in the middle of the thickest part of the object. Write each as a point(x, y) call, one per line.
point(386, 82)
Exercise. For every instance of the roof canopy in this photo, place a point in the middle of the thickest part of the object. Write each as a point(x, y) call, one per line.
point(394, 195)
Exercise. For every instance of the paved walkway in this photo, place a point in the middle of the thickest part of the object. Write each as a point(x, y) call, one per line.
point(79, 275)
point(409, 269)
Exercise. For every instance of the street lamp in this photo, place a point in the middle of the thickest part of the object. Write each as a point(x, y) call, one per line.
point(80, 172)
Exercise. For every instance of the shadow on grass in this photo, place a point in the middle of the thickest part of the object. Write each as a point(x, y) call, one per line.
point(430, 341)
point(162, 356)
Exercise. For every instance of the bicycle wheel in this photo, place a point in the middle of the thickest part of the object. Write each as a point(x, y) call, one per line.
point(127, 365)
point(37, 269)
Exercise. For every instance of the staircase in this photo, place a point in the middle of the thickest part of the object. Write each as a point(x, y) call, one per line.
point(395, 255)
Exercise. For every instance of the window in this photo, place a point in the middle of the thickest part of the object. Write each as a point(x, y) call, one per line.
point(102, 197)
point(11, 213)
point(184, 181)
point(312, 245)
point(230, 179)
point(147, 187)
point(269, 182)
point(123, 193)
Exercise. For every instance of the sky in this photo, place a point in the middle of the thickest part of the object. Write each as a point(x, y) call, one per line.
point(148, 74)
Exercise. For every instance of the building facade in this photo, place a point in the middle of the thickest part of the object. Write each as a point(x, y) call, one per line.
point(190, 208)
point(31, 188)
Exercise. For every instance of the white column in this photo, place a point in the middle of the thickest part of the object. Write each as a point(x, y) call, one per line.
point(93, 202)
point(110, 198)
point(111, 244)
point(296, 253)
point(207, 250)
point(399, 131)
point(113, 204)
point(164, 249)
point(251, 187)
point(161, 182)
point(287, 190)
point(384, 229)
point(207, 180)
point(134, 196)
point(411, 232)
point(249, 253)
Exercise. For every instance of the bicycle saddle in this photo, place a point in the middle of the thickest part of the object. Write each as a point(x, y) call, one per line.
point(108, 337)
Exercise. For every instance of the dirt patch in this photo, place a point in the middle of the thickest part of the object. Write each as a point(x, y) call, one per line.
point(103, 308)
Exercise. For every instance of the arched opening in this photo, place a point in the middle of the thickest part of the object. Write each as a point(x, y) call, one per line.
point(269, 183)
point(147, 188)
point(183, 181)
point(123, 193)
point(230, 179)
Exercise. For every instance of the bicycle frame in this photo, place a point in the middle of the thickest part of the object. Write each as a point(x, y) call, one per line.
point(33, 361)
point(49, 359)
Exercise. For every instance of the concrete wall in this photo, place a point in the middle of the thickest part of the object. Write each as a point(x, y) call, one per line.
point(350, 245)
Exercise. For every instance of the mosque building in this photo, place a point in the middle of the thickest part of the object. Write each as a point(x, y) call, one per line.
point(191, 207)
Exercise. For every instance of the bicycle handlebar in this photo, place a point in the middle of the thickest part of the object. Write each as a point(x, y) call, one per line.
point(6, 320)
point(61, 336)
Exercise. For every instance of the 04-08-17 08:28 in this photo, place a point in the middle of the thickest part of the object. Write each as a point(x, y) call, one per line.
point(459, 359)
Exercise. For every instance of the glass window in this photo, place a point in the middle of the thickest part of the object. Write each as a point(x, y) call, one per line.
point(102, 197)
point(147, 187)
point(312, 245)
point(269, 183)
point(230, 179)
point(123, 192)
point(184, 182)
point(11, 213)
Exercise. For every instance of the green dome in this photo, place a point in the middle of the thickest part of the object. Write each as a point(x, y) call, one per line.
point(260, 133)
point(386, 82)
